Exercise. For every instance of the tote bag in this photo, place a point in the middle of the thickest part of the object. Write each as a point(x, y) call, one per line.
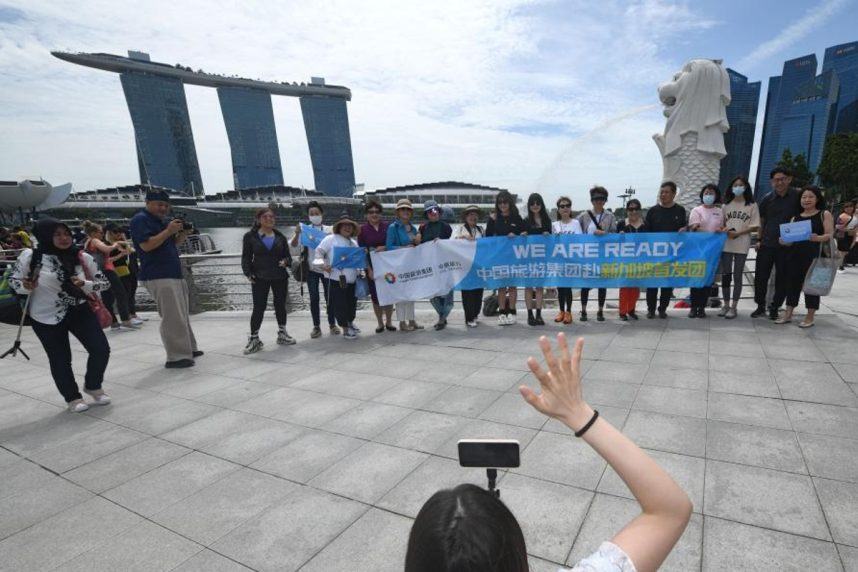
point(820, 276)
point(102, 314)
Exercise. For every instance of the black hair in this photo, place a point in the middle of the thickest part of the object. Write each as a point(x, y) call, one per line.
point(598, 191)
point(669, 184)
point(315, 204)
point(711, 187)
point(820, 199)
point(635, 201)
point(259, 212)
point(465, 528)
point(372, 204)
point(506, 196)
point(780, 169)
point(729, 195)
point(544, 219)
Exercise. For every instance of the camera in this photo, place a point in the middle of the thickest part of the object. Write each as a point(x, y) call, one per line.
point(492, 454)
point(185, 224)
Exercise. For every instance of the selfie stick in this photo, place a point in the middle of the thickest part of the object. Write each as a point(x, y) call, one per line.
point(493, 478)
point(16, 345)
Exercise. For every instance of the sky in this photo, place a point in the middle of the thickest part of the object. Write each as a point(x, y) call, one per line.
point(549, 96)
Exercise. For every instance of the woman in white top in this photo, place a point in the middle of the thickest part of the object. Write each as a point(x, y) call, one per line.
point(845, 231)
point(470, 528)
point(565, 224)
point(341, 282)
point(741, 218)
point(58, 277)
point(314, 278)
point(472, 300)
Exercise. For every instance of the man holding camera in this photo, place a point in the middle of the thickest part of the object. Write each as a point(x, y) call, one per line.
point(155, 241)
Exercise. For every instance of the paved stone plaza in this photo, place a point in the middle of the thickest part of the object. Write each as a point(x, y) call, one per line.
point(318, 456)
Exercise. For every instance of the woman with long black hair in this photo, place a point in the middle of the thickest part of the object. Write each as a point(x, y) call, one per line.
point(506, 222)
point(741, 218)
point(264, 260)
point(58, 277)
point(537, 222)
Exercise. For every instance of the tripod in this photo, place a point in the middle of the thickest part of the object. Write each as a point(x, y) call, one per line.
point(16, 345)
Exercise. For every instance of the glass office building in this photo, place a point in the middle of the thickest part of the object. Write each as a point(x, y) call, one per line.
point(326, 123)
point(249, 120)
point(843, 60)
point(809, 118)
point(739, 140)
point(166, 153)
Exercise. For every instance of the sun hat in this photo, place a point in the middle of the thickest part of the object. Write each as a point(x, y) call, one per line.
point(431, 205)
point(471, 209)
point(345, 219)
point(404, 204)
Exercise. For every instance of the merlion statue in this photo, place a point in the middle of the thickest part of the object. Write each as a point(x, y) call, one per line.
point(692, 146)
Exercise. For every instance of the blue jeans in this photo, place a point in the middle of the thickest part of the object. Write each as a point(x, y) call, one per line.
point(313, 280)
point(443, 304)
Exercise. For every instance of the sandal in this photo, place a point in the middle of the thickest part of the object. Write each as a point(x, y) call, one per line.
point(783, 320)
point(806, 325)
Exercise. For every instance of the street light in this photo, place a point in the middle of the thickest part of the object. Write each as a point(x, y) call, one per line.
point(630, 192)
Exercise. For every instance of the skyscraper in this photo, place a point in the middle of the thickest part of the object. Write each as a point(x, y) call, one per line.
point(843, 60)
point(739, 140)
point(249, 120)
point(326, 122)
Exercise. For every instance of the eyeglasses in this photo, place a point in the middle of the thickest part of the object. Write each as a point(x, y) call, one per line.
point(565, 206)
point(598, 199)
point(632, 209)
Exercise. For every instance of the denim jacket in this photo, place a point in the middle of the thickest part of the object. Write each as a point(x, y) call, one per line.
point(398, 237)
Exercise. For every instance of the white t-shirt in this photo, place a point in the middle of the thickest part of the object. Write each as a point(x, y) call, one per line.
point(609, 558)
point(739, 216)
point(571, 227)
point(325, 254)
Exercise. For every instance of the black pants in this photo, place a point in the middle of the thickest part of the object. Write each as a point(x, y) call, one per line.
point(652, 296)
point(585, 297)
point(129, 282)
point(769, 257)
point(700, 297)
point(313, 280)
point(82, 324)
point(260, 290)
point(343, 302)
point(799, 264)
point(564, 299)
point(116, 293)
point(472, 302)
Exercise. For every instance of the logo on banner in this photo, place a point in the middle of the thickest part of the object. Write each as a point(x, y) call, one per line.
point(390, 278)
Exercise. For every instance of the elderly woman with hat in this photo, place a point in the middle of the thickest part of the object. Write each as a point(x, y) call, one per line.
point(402, 234)
point(341, 283)
point(472, 300)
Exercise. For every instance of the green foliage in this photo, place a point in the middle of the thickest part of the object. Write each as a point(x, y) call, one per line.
point(838, 169)
point(797, 165)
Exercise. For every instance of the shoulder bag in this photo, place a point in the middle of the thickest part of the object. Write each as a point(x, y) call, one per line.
point(820, 276)
point(102, 314)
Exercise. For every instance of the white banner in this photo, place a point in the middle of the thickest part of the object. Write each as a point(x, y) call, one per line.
point(428, 270)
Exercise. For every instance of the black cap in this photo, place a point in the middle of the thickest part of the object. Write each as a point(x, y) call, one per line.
point(157, 195)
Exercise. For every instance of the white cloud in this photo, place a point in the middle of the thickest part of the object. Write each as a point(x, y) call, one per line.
point(492, 92)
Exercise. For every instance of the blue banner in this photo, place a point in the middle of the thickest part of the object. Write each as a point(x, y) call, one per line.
point(348, 257)
point(311, 236)
point(662, 259)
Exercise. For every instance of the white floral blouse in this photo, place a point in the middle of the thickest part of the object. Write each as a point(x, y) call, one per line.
point(609, 558)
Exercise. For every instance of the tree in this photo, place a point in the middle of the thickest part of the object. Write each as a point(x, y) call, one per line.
point(797, 165)
point(838, 169)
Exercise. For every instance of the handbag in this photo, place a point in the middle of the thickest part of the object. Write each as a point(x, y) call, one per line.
point(102, 314)
point(822, 272)
point(362, 288)
point(490, 305)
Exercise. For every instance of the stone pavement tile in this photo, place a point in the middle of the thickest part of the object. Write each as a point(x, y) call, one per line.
point(681, 378)
point(146, 546)
point(763, 497)
point(116, 468)
point(482, 429)
point(411, 393)
point(236, 392)
point(743, 366)
point(830, 457)
point(93, 444)
point(824, 419)
point(197, 386)
point(549, 514)
point(307, 455)
point(672, 433)
point(608, 515)
point(759, 446)
point(221, 507)
point(209, 429)
point(734, 546)
point(562, 459)
point(512, 409)
point(17, 410)
point(842, 350)
point(367, 420)
point(607, 392)
point(849, 555)
point(368, 473)
point(297, 406)
point(284, 537)
point(7, 458)
point(748, 410)
point(728, 347)
point(628, 373)
point(54, 540)
point(372, 364)
point(687, 471)
point(812, 382)
point(22, 476)
point(422, 431)
point(435, 474)
point(451, 373)
point(284, 375)
point(840, 503)
point(787, 348)
point(539, 565)
point(377, 542)
point(208, 561)
point(154, 491)
point(681, 359)
point(636, 338)
point(616, 416)
point(847, 371)
point(153, 415)
point(623, 354)
point(463, 401)
point(760, 385)
point(491, 378)
point(41, 388)
point(347, 384)
point(671, 400)
point(684, 340)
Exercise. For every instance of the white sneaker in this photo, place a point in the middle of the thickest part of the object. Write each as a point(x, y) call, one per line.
point(349, 334)
point(78, 406)
point(723, 311)
point(511, 319)
point(502, 320)
point(253, 345)
point(284, 339)
point(136, 322)
point(471, 324)
point(98, 397)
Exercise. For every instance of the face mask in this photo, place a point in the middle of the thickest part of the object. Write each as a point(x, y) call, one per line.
point(738, 191)
point(316, 219)
point(708, 199)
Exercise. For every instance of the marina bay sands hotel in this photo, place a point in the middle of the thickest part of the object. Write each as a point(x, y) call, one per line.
point(166, 154)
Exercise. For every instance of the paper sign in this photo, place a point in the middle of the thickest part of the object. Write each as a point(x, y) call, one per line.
point(795, 231)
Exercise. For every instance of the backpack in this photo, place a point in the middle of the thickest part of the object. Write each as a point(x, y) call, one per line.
point(490, 305)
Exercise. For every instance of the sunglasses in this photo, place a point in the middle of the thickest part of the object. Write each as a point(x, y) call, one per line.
point(599, 199)
point(632, 209)
point(564, 206)
point(373, 212)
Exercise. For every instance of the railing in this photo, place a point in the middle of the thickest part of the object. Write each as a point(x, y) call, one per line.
point(198, 244)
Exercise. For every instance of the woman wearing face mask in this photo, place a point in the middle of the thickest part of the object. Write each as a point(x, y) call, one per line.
point(741, 218)
point(706, 217)
point(314, 277)
point(506, 222)
point(597, 222)
point(58, 277)
point(634, 223)
point(565, 224)
point(373, 237)
point(342, 281)
point(537, 222)
point(402, 234)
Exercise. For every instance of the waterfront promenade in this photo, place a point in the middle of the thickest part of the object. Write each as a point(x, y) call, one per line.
point(318, 456)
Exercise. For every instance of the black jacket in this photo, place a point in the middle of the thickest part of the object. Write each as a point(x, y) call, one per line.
point(503, 226)
point(259, 262)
